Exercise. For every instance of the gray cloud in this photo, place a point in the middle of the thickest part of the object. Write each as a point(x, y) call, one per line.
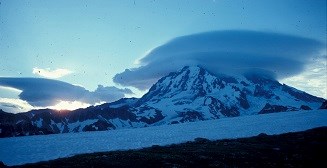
point(46, 92)
point(226, 52)
point(108, 94)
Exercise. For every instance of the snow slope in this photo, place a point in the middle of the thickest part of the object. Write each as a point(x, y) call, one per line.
point(29, 149)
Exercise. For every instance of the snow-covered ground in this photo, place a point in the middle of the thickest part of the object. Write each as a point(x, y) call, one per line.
point(29, 149)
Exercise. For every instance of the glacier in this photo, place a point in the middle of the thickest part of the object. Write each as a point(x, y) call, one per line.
point(31, 149)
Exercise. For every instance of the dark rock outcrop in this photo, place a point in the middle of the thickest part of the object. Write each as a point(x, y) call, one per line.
point(323, 105)
point(276, 108)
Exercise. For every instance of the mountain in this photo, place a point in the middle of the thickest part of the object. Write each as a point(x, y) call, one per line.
point(193, 94)
point(188, 95)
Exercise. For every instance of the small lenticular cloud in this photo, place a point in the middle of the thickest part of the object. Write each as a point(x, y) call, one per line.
point(14, 105)
point(41, 92)
point(47, 73)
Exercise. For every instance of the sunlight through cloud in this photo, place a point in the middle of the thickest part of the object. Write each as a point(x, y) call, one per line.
point(69, 105)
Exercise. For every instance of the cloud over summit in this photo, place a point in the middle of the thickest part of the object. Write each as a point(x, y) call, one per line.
point(226, 52)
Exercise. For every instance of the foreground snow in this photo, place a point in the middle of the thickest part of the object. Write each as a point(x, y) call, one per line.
point(29, 149)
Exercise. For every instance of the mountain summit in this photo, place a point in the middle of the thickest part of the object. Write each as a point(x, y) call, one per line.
point(195, 94)
point(188, 95)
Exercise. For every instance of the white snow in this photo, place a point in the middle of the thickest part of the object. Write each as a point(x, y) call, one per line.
point(29, 149)
point(39, 122)
point(147, 114)
point(61, 127)
point(80, 125)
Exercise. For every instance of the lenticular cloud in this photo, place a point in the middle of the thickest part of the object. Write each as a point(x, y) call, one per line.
point(43, 92)
point(224, 52)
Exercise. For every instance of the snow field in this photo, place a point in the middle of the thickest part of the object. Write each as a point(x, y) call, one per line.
point(30, 149)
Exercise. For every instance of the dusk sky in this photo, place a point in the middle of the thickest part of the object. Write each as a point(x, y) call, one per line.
point(81, 49)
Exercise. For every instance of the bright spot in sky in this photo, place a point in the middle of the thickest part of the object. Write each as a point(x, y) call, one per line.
point(312, 80)
point(69, 105)
point(58, 73)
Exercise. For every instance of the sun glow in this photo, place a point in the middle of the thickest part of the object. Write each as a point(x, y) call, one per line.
point(69, 105)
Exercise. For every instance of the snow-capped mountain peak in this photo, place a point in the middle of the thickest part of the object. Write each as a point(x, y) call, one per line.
point(189, 79)
point(195, 91)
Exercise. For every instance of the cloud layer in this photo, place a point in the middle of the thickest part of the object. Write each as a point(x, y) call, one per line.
point(226, 52)
point(40, 92)
point(47, 73)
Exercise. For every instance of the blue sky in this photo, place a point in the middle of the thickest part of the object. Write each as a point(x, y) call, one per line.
point(92, 41)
